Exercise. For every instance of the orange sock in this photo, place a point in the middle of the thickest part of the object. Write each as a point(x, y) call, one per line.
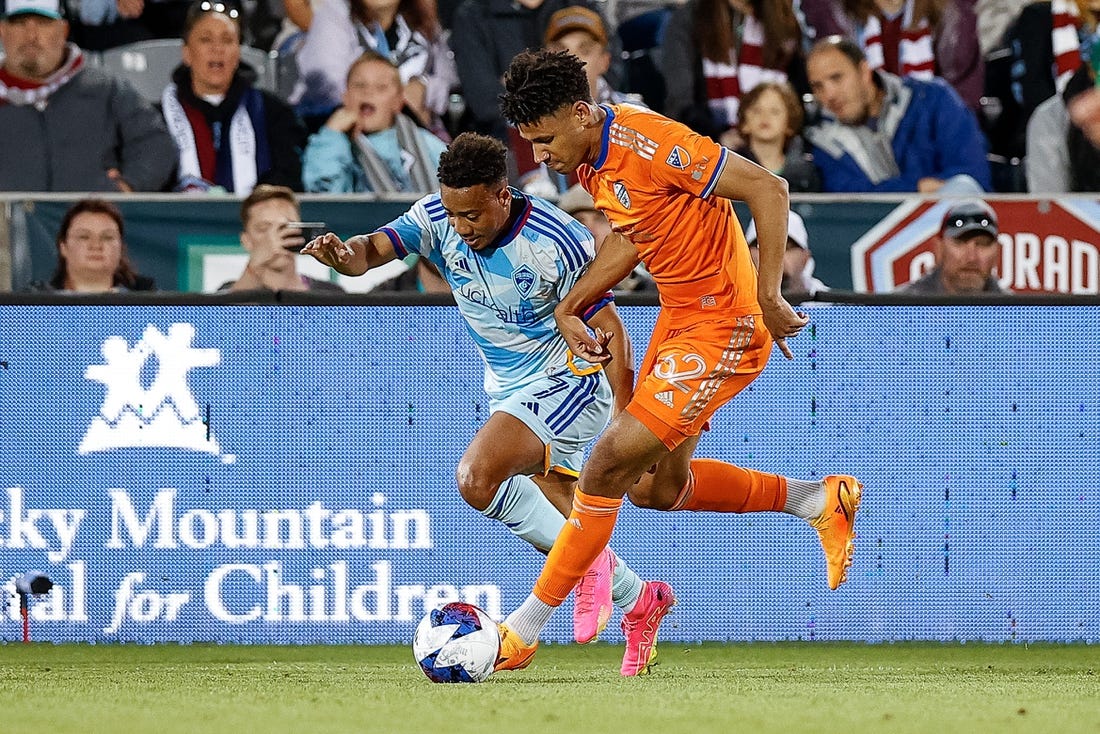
point(582, 538)
point(720, 487)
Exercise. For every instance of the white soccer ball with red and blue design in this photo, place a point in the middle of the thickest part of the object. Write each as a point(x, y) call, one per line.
point(458, 643)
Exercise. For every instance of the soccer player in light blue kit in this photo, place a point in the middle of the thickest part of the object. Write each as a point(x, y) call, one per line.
point(509, 258)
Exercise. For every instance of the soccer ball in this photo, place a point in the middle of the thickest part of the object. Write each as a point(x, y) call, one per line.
point(456, 644)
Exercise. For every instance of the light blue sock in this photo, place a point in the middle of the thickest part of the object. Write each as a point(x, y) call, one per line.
point(532, 615)
point(626, 586)
point(525, 511)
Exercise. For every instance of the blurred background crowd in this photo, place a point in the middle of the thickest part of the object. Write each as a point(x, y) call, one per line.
point(215, 97)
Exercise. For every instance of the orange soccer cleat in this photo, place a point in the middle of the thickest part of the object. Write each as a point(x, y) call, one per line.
point(835, 526)
point(515, 654)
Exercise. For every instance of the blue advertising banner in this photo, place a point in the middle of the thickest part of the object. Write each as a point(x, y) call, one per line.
point(285, 474)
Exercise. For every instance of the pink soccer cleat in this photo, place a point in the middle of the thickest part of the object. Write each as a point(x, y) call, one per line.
point(640, 627)
point(592, 604)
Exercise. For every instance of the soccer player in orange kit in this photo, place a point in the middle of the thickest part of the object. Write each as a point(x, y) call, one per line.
point(666, 191)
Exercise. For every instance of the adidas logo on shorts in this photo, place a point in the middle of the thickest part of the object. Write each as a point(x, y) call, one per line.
point(665, 396)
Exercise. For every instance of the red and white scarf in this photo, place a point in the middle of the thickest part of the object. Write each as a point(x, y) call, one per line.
point(727, 82)
point(915, 55)
point(22, 92)
point(1064, 39)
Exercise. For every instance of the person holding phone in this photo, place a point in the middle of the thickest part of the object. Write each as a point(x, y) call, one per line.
point(272, 232)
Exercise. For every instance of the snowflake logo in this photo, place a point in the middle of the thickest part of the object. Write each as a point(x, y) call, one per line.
point(163, 414)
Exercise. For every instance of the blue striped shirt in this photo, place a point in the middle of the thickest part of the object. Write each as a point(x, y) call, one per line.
point(506, 292)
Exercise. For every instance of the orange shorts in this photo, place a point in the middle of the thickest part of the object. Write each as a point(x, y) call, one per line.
point(689, 373)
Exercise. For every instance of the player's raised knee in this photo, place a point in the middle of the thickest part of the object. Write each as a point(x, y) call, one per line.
point(475, 484)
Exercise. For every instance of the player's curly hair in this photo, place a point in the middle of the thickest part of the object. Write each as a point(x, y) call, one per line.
point(473, 159)
point(539, 83)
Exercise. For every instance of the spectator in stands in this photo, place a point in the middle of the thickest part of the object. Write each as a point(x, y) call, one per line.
point(879, 132)
point(579, 204)
point(994, 17)
point(91, 252)
point(909, 37)
point(1085, 113)
point(230, 134)
point(368, 144)
point(102, 24)
point(958, 52)
point(299, 13)
point(770, 123)
point(272, 246)
point(1060, 156)
point(966, 252)
point(67, 127)
point(490, 33)
point(798, 260)
point(715, 51)
point(405, 31)
point(581, 32)
point(895, 35)
point(1035, 57)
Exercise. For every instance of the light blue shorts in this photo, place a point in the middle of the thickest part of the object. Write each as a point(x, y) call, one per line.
point(566, 412)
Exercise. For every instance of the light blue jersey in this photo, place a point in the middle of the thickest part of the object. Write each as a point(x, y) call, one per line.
point(506, 292)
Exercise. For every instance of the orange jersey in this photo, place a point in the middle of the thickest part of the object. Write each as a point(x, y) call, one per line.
point(653, 179)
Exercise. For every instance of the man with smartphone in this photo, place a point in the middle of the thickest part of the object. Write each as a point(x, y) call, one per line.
point(272, 232)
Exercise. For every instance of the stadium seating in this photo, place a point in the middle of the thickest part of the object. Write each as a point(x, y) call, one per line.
point(285, 64)
point(148, 65)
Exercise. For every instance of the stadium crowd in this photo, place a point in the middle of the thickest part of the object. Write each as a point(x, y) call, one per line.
point(847, 96)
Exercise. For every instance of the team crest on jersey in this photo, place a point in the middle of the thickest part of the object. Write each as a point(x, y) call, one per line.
point(524, 279)
point(622, 194)
point(678, 158)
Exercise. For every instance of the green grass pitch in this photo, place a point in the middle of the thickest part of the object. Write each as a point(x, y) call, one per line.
point(840, 688)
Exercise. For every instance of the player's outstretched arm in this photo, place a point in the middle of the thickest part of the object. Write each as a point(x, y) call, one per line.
point(615, 260)
point(766, 195)
point(354, 257)
point(620, 370)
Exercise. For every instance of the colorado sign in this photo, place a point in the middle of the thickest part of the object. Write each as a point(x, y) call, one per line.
point(1048, 246)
